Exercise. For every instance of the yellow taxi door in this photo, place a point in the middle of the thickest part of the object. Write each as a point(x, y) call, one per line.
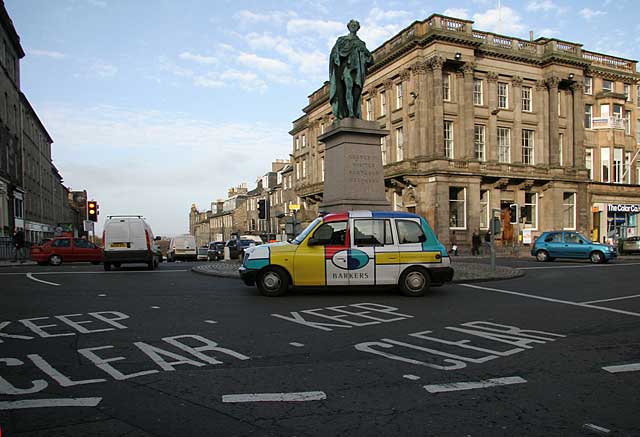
point(317, 255)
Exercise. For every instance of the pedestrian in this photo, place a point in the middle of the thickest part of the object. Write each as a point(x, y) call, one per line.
point(475, 243)
point(487, 241)
point(18, 244)
point(454, 244)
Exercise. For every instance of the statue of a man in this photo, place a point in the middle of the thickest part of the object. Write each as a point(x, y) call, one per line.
point(348, 65)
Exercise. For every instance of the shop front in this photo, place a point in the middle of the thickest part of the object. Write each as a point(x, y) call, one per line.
point(614, 221)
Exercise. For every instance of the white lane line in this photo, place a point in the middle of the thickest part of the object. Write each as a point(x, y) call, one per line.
point(47, 403)
point(582, 266)
point(634, 367)
point(612, 299)
point(549, 299)
point(213, 322)
point(96, 273)
point(293, 343)
point(411, 377)
point(155, 307)
point(457, 386)
point(597, 428)
point(30, 276)
point(102, 295)
point(276, 397)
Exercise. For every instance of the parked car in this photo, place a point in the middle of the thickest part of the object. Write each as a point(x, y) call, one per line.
point(571, 244)
point(358, 248)
point(66, 249)
point(129, 239)
point(215, 251)
point(182, 247)
point(237, 247)
point(630, 245)
point(202, 252)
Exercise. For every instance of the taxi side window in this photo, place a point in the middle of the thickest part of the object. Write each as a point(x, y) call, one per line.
point(372, 232)
point(63, 242)
point(409, 232)
point(330, 234)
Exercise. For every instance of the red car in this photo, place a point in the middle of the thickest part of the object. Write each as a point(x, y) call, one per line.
point(66, 249)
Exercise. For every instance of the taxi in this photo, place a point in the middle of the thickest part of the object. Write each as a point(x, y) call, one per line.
point(356, 248)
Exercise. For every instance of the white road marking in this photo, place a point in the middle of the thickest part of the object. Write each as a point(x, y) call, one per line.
point(30, 276)
point(46, 403)
point(276, 397)
point(634, 367)
point(615, 298)
point(102, 295)
point(155, 307)
point(411, 377)
point(293, 343)
point(581, 266)
point(593, 427)
point(549, 299)
point(213, 322)
point(96, 273)
point(456, 386)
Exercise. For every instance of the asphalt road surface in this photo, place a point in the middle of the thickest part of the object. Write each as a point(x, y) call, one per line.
point(170, 352)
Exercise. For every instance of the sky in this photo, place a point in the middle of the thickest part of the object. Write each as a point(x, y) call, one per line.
point(154, 105)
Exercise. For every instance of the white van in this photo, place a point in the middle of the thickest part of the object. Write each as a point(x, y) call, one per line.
point(182, 247)
point(129, 239)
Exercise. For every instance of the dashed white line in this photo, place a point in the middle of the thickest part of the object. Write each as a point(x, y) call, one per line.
point(155, 307)
point(597, 428)
point(612, 299)
point(46, 403)
point(101, 295)
point(457, 386)
point(293, 343)
point(275, 397)
point(549, 299)
point(634, 367)
point(411, 377)
point(30, 276)
point(213, 322)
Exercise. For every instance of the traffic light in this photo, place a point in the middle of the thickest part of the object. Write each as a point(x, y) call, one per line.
point(262, 209)
point(92, 210)
point(514, 213)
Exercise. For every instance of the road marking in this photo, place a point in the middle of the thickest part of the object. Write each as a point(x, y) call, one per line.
point(582, 266)
point(597, 428)
point(411, 377)
point(549, 299)
point(30, 276)
point(293, 343)
point(102, 295)
point(276, 397)
point(634, 367)
point(155, 307)
point(95, 273)
point(46, 403)
point(612, 299)
point(457, 386)
point(213, 322)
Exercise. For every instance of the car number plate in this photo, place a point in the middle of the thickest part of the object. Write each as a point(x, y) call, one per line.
point(118, 244)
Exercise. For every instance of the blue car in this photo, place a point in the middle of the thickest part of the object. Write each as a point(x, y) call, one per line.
point(571, 244)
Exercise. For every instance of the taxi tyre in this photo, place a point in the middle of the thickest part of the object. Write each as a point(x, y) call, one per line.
point(55, 260)
point(273, 281)
point(597, 257)
point(414, 282)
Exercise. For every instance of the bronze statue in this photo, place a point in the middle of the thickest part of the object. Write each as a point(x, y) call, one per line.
point(347, 70)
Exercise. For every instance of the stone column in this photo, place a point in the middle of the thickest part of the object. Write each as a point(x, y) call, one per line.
point(409, 139)
point(391, 144)
point(516, 147)
point(554, 135)
point(578, 124)
point(419, 71)
point(467, 110)
point(492, 126)
point(436, 64)
point(541, 102)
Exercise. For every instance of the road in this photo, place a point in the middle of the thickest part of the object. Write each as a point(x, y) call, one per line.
point(170, 352)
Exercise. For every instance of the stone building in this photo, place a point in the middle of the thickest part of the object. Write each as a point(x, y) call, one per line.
point(224, 218)
point(479, 121)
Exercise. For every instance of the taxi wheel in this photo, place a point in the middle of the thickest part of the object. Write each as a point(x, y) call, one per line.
point(55, 260)
point(414, 282)
point(273, 281)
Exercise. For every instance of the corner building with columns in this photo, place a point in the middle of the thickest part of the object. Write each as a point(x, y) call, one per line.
point(479, 121)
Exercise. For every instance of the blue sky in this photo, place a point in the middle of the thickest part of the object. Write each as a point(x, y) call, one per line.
point(157, 104)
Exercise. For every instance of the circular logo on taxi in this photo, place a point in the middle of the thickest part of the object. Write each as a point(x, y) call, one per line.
point(352, 259)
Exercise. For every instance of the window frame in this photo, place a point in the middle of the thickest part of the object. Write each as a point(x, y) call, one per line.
point(479, 134)
point(588, 85)
point(398, 221)
point(505, 85)
point(527, 99)
point(464, 208)
point(487, 212)
point(446, 87)
point(528, 147)
point(613, 85)
point(534, 209)
point(588, 115)
point(448, 139)
point(478, 92)
point(386, 227)
point(399, 144)
point(383, 103)
point(588, 161)
point(503, 146)
point(399, 95)
point(573, 206)
point(605, 160)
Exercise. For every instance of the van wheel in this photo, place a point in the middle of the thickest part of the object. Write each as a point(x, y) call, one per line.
point(542, 256)
point(414, 282)
point(273, 281)
point(55, 260)
point(107, 267)
point(596, 257)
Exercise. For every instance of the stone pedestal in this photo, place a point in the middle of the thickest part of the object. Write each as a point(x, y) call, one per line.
point(353, 174)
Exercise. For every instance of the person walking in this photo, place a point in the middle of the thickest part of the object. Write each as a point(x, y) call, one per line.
point(18, 244)
point(475, 243)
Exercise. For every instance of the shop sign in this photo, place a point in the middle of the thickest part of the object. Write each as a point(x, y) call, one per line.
point(623, 207)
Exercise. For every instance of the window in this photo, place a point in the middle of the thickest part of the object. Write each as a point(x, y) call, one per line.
point(399, 95)
point(478, 142)
point(604, 111)
point(297, 170)
point(304, 141)
point(369, 110)
point(457, 208)
point(297, 143)
point(484, 209)
point(409, 232)
point(617, 111)
point(627, 122)
point(81, 243)
point(638, 96)
point(504, 144)
point(62, 242)
point(322, 169)
point(556, 237)
point(448, 139)
point(446, 87)
point(617, 165)
point(559, 102)
point(528, 147)
point(383, 103)
point(530, 212)
point(331, 234)
point(383, 149)
point(606, 164)
point(304, 168)
point(561, 149)
point(569, 211)
point(399, 144)
point(372, 232)
point(588, 161)
point(588, 85)
point(588, 116)
point(321, 128)
point(503, 95)
point(527, 95)
point(477, 92)
point(607, 85)
point(627, 168)
point(627, 92)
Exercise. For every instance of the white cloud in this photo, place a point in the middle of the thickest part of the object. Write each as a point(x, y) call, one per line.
point(308, 61)
point(200, 59)
point(457, 13)
point(588, 13)
point(46, 53)
point(208, 81)
point(377, 14)
point(104, 69)
point(277, 17)
point(507, 21)
point(321, 27)
point(547, 32)
point(544, 6)
point(268, 65)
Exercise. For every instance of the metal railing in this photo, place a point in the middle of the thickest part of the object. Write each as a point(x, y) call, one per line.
point(8, 251)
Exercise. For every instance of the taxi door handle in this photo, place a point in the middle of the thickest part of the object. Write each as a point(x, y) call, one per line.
point(393, 257)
